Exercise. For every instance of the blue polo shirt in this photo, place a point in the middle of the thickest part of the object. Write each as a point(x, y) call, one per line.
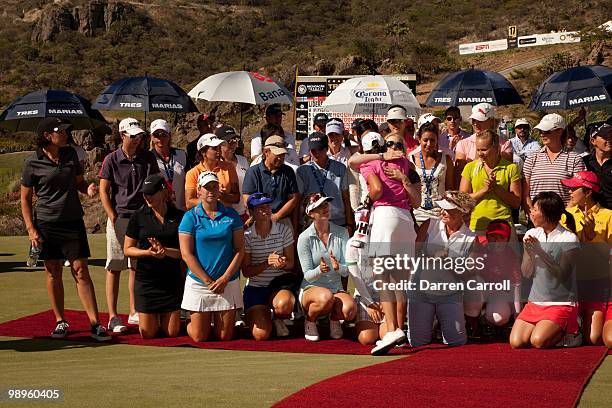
point(330, 181)
point(214, 239)
point(278, 185)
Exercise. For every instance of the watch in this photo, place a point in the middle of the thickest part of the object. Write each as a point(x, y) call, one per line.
point(381, 156)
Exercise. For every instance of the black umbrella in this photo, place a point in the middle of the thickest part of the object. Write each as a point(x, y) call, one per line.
point(148, 94)
point(573, 88)
point(472, 86)
point(24, 113)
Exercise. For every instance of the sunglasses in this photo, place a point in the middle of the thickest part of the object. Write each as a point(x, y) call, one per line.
point(452, 118)
point(139, 135)
point(161, 134)
point(390, 144)
point(392, 121)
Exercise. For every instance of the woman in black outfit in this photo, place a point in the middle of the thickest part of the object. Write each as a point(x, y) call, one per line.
point(152, 237)
point(55, 224)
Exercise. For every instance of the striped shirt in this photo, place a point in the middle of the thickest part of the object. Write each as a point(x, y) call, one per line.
point(544, 175)
point(279, 238)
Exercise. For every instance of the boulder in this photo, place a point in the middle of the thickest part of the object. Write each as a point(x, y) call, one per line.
point(354, 65)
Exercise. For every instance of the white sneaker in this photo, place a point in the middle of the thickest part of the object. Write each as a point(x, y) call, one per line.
point(116, 325)
point(133, 318)
point(239, 323)
point(388, 341)
point(67, 263)
point(310, 330)
point(335, 329)
point(280, 328)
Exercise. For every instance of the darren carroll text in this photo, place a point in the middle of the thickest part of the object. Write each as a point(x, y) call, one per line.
point(423, 284)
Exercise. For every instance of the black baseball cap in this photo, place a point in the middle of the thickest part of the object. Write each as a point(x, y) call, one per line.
point(225, 132)
point(321, 119)
point(153, 184)
point(274, 109)
point(318, 141)
point(52, 124)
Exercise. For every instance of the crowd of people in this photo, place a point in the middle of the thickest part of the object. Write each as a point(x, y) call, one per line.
point(298, 222)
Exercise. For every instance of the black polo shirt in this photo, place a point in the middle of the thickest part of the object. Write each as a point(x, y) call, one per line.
point(126, 178)
point(604, 173)
point(278, 186)
point(143, 224)
point(192, 150)
point(54, 184)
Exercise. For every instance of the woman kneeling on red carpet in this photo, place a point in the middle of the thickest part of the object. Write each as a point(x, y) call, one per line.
point(551, 316)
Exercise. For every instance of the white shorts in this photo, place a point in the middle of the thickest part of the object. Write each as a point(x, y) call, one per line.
point(198, 298)
point(115, 236)
point(392, 232)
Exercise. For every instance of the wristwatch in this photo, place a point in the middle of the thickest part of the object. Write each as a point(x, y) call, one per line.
point(381, 156)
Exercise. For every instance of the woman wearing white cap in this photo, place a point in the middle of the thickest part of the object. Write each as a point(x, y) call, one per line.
point(209, 155)
point(447, 237)
point(172, 162)
point(544, 170)
point(321, 253)
point(211, 238)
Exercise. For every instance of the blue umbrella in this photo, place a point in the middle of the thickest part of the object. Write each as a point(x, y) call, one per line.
point(472, 86)
point(24, 113)
point(573, 88)
point(147, 94)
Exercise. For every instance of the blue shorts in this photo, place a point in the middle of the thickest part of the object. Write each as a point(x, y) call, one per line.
point(255, 296)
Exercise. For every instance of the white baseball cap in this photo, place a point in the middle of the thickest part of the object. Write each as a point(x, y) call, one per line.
point(521, 121)
point(334, 126)
point(396, 112)
point(368, 140)
point(550, 122)
point(426, 118)
point(130, 126)
point(160, 124)
point(319, 199)
point(208, 139)
point(207, 177)
point(482, 112)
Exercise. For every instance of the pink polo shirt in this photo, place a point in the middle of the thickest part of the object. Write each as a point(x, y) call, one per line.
point(467, 146)
point(393, 192)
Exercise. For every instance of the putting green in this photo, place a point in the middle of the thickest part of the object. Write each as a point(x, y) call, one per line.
point(89, 374)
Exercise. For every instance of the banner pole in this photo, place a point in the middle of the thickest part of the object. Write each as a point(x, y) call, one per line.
point(293, 127)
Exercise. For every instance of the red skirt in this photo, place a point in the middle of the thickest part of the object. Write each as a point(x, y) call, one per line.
point(609, 312)
point(565, 316)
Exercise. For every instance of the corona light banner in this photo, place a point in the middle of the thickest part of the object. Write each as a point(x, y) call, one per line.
point(311, 91)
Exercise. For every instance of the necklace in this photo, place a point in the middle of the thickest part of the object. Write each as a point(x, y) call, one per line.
point(428, 180)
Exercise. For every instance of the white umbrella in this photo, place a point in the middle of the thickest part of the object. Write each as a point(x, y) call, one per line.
point(372, 94)
point(241, 86)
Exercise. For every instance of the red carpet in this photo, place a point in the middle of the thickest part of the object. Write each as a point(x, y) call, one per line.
point(482, 375)
point(41, 324)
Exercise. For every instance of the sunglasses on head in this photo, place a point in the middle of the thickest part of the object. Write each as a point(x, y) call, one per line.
point(391, 143)
point(315, 197)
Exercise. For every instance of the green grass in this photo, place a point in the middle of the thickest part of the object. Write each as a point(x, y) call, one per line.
point(118, 375)
point(10, 168)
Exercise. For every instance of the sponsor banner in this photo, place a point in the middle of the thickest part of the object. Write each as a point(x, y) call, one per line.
point(534, 40)
point(485, 46)
point(313, 90)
